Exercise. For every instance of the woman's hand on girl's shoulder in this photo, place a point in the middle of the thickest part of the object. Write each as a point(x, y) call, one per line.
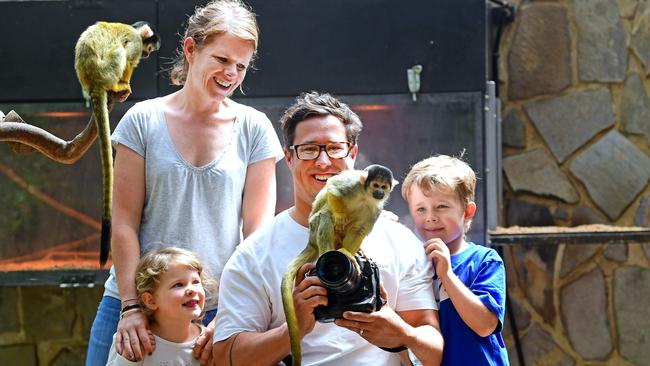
point(133, 339)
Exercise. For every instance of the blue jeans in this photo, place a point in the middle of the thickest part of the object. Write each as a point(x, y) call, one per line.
point(101, 333)
point(209, 315)
point(105, 325)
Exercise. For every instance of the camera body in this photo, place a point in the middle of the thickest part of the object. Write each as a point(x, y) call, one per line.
point(347, 290)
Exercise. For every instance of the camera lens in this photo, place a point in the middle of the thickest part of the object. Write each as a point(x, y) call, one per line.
point(337, 272)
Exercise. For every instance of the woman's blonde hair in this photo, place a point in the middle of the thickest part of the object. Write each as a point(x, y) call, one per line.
point(216, 17)
point(442, 172)
point(155, 263)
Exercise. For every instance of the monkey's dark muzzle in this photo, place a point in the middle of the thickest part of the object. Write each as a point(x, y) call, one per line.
point(378, 194)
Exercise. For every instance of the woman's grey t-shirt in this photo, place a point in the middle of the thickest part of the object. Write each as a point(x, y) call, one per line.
point(197, 208)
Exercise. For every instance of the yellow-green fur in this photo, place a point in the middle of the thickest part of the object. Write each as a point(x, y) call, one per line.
point(105, 56)
point(343, 213)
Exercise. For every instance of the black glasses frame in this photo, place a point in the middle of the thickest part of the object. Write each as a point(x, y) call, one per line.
point(322, 147)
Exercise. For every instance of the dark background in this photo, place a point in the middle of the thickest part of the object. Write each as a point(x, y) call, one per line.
point(341, 46)
point(358, 50)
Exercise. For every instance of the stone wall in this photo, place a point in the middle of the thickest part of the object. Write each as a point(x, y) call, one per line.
point(579, 304)
point(576, 114)
point(46, 325)
point(573, 78)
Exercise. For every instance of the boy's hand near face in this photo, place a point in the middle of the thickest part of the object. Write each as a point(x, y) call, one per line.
point(470, 308)
point(438, 254)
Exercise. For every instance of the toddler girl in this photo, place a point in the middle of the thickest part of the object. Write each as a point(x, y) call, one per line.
point(170, 287)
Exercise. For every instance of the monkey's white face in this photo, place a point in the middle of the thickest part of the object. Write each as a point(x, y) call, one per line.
point(310, 176)
point(219, 67)
point(379, 189)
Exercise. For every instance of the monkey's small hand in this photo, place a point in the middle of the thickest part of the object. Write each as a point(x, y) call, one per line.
point(353, 260)
point(340, 221)
point(114, 98)
point(122, 96)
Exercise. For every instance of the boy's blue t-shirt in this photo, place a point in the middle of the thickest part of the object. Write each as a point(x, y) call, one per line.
point(482, 271)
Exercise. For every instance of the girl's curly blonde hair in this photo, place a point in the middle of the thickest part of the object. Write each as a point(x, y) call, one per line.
point(155, 263)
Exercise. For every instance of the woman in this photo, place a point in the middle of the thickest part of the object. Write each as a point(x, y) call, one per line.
point(191, 167)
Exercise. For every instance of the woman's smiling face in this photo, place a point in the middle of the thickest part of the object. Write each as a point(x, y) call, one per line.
point(220, 65)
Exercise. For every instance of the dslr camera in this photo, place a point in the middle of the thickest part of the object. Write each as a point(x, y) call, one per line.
point(347, 290)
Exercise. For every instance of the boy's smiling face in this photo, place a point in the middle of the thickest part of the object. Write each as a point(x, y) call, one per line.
point(439, 213)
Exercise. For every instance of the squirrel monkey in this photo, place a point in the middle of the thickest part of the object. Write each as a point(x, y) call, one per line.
point(105, 56)
point(342, 215)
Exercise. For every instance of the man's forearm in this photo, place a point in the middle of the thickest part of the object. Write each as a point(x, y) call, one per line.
point(426, 343)
point(422, 335)
point(247, 348)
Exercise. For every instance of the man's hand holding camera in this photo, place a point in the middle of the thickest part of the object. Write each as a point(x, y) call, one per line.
point(333, 290)
point(383, 328)
point(308, 293)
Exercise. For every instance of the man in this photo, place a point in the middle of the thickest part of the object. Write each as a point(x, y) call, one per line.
point(320, 136)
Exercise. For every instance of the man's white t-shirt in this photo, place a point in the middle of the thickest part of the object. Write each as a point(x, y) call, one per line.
point(250, 297)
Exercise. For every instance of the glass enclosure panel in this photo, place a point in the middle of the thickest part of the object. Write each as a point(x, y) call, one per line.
point(50, 212)
point(50, 215)
point(399, 132)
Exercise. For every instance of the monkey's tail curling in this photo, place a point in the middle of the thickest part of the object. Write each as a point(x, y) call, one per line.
point(99, 101)
point(290, 312)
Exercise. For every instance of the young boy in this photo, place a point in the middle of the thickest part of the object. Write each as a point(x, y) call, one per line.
point(469, 284)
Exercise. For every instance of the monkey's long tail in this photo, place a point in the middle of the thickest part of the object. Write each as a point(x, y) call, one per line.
point(99, 101)
point(307, 255)
point(290, 312)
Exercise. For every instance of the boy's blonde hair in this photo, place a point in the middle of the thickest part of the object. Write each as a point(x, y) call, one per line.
point(155, 263)
point(442, 172)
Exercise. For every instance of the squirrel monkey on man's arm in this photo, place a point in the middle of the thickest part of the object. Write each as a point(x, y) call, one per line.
point(105, 56)
point(342, 215)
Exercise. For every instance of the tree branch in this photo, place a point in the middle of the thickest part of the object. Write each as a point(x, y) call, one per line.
point(14, 129)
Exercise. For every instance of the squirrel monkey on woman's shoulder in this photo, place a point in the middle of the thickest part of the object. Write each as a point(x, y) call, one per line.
point(105, 56)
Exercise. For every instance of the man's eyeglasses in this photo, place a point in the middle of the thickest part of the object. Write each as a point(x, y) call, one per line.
point(334, 150)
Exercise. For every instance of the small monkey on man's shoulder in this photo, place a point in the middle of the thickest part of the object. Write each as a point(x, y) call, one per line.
point(105, 56)
point(342, 215)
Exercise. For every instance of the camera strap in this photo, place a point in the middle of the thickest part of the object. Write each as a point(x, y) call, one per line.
point(394, 349)
point(375, 271)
